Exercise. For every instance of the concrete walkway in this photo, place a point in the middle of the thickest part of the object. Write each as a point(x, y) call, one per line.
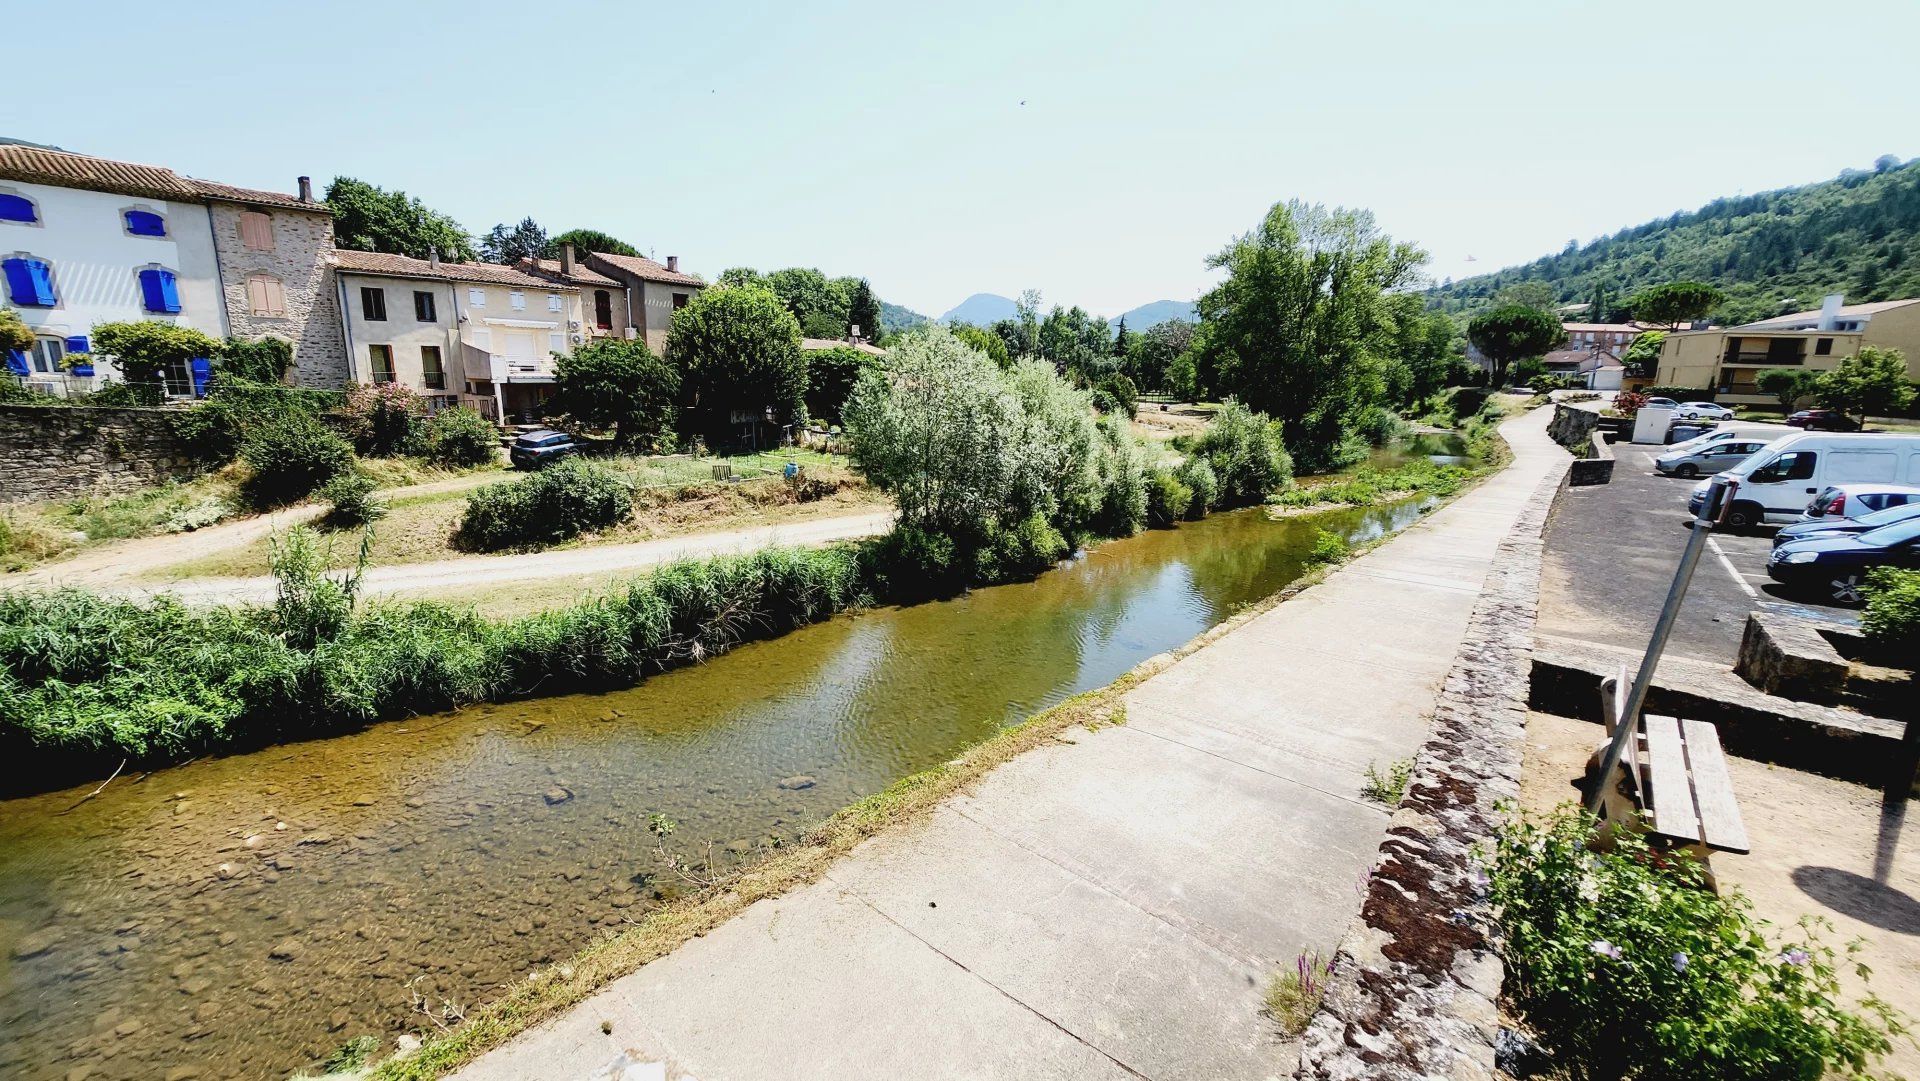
point(1109, 908)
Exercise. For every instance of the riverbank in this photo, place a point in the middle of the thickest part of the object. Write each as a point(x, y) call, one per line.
point(1177, 820)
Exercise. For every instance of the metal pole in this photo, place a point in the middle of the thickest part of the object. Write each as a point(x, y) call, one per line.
point(1629, 727)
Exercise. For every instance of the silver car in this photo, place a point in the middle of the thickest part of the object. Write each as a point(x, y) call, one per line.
point(1707, 459)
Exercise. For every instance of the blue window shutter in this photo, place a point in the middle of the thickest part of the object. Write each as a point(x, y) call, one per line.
point(202, 371)
point(159, 291)
point(29, 282)
point(16, 208)
point(145, 223)
point(169, 291)
point(79, 344)
point(17, 363)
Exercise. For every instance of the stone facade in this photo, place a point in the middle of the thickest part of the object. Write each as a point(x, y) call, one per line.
point(298, 261)
point(1415, 988)
point(54, 451)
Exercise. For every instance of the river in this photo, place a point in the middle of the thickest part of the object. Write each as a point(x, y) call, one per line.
point(247, 915)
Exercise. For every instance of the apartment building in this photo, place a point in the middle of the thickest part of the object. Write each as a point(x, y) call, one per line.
point(1728, 360)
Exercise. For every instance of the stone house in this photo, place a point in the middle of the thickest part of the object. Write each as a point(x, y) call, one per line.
point(86, 240)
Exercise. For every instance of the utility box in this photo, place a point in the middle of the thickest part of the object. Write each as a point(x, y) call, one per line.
point(1651, 423)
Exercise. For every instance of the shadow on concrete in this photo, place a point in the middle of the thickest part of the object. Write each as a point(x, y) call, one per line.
point(1860, 897)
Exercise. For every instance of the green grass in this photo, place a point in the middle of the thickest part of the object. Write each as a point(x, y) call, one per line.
point(32, 533)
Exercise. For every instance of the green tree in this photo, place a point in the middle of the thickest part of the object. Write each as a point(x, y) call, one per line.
point(735, 277)
point(1510, 333)
point(815, 301)
point(368, 218)
point(15, 334)
point(587, 240)
point(986, 342)
point(1529, 294)
point(1787, 385)
point(1122, 338)
point(863, 310)
point(619, 384)
point(144, 350)
point(1150, 355)
point(1872, 382)
point(1296, 329)
point(510, 244)
point(738, 351)
point(1643, 356)
point(258, 360)
point(1675, 302)
point(831, 376)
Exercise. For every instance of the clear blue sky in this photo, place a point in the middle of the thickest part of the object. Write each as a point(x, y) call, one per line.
point(888, 140)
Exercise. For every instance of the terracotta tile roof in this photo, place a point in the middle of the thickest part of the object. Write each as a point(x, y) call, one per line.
point(641, 267)
point(402, 266)
point(1786, 322)
point(810, 345)
point(41, 165)
point(1603, 328)
point(1582, 359)
point(550, 268)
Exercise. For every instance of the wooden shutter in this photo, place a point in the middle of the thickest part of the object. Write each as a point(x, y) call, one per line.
point(256, 230)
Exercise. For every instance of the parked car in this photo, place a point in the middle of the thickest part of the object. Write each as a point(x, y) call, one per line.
point(1829, 526)
point(1663, 403)
point(1776, 483)
point(1686, 431)
point(1711, 457)
point(1834, 565)
point(1837, 501)
point(536, 449)
point(1702, 411)
point(1710, 435)
point(1822, 420)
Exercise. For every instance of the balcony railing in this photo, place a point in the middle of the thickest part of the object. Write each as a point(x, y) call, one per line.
point(1764, 358)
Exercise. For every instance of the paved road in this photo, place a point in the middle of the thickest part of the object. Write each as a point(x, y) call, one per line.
point(1611, 553)
point(1109, 908)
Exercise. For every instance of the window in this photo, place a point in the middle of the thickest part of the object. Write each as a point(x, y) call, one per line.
point(1796, 465)
point(679, 301)
point(145, 223)
point(423, 307)
point(382, 362)
point(29, 282)
point(47, 355)
point(256, 230)
point(1823, 347)
point(373, 303)
point(557, 342)
point(432, 375)
point(266, 296)
point(159, 291)
point(476, 298)
point(553, 302)
point(517, 300)
point(602, 309)
point(17, 208)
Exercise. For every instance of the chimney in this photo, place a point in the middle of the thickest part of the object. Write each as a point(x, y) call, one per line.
point(306, 189)
point(1830, 309)
point(673, 263)
point(433, 257)
point(566, 260)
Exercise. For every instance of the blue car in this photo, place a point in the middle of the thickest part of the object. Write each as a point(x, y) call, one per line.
point(1834, 565)
point(1884, 517)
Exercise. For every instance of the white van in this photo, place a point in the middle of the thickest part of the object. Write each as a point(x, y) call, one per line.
point(1777, 481)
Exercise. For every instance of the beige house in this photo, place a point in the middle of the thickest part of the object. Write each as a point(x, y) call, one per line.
point(1728, 360)
point(603, 300)
point(477, 334)
point(654, 291)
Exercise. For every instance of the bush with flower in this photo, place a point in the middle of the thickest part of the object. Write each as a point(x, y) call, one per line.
point(1624, 965)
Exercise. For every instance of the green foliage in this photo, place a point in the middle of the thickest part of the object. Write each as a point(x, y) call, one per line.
point(1168, 499)
point(1787, 385)
point(1076, 344)
point(1121, 471)
point(1117, 395)
point(511, 243)
point(570, 497)
point(831, 375)
point(1511, 333)
point(1150, 355)
point(368, 218)
point(1872, 382)
point(619, 384)
point(1198, 475)
point(1674, 303)
point(15, 334)
point(291, 455)
point(1528, 371)
point(1245, 452)
point(141, 350)
point(1328, 547)
point(1379, 426)
point(1892, 615)
point(986, 342)
point(258, 360)
point(1388, 786)
point(1642, 358)
point(1301, 327)
point(863, 311)
point(585, 241)
point(128, 394)
point(815, 300)
point(351, 501)
point(234, 408)
point(1771, 252)
point(461, 438)
point(382, 419)
point(737, 350)
point(1624, 965)
point(1368, 485)
point(1529, 294)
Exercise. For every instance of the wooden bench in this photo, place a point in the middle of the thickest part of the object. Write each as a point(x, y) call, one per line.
point(1676, 777)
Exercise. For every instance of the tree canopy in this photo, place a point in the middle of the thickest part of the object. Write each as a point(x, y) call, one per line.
point(863, 310)
point(1788, 385)
point(1511, 333)
point(738, 350)
point(368, 218)
point(510, 244)
point(1644, 354)
point(587, 240)
point(831, 375)
point(1872, 382)
point(1674, 303)
point(619, 384)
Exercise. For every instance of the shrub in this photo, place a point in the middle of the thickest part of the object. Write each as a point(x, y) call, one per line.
point(1120, 468)
point(1023, 550)
point(1197, 474)
point(1379, 425)
point(1121, 395)
point(562, 501)
point(619, 384)
point(352, 499)
point(831, 375)
point(261, 360)
point(1892, 615)
point(1624, 965)
point(1328, 547)
point(1246, 454)
point(291, 456)
point(123, 394)
point(382, 419)
point(461, 438)
point(1167, 499)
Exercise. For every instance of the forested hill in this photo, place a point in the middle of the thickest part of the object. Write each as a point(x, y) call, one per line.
point(1777, 251)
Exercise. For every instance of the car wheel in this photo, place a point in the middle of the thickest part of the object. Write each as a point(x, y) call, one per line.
point(1845, 589)
point(1687, 470)
point(1743, 516)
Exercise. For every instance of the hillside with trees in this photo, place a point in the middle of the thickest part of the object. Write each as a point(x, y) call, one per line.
point(1772, 252)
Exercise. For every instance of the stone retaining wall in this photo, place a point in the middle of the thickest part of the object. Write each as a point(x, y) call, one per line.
point(53, 451)
point(1416, 983)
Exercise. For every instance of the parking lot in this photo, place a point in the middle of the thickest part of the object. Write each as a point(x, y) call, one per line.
point(1611, 553)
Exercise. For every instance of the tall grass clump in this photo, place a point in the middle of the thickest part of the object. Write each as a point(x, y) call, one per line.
point(558, 503)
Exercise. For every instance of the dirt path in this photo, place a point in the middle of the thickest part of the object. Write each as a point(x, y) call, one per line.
point(478, 572)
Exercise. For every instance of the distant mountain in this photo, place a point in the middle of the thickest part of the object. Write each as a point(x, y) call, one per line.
point(895, 318)
point(982, 309)
point(1159, 311)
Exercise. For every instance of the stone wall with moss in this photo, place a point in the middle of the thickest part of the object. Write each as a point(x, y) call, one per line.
point(53, 451)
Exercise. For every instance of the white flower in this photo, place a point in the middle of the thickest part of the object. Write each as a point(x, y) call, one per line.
point(1680, 961)
point(1795, 956)
point(1605, 949)
point(1588, 889)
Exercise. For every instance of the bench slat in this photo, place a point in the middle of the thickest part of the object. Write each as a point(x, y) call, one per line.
point(1713, 788)
point(1673, 812)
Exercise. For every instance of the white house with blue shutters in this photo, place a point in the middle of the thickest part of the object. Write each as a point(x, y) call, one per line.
point(72, 258)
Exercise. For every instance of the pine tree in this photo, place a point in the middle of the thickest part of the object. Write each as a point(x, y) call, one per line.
point(1122, 339)
point(863, 311)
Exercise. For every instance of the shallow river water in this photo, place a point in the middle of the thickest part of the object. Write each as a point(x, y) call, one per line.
point(244, 916)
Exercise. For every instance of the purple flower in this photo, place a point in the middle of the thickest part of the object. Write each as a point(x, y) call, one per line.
point(1479, 879)
point(1680, 961)
point(1795, 956)
point(1606, 949)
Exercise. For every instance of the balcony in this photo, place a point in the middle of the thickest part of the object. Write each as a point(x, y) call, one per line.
point(1764, 358)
